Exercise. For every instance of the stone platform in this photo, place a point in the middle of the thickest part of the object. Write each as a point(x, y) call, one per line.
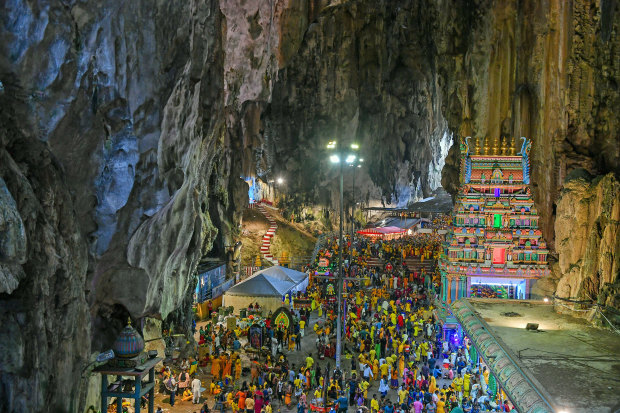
point(574, 366)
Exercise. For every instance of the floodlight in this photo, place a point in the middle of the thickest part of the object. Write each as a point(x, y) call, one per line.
point(280, 180)
point(355, 146)
point(350, 158)
point(331, 145)
point(334, 158)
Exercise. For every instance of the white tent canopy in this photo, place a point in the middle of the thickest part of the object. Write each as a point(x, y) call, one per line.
point(267, 287)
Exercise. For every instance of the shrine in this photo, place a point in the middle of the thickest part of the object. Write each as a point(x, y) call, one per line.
point(494, 248)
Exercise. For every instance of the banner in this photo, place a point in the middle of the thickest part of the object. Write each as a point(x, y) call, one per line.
point(255, 336)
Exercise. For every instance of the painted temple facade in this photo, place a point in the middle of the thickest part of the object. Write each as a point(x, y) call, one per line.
point(494, 247)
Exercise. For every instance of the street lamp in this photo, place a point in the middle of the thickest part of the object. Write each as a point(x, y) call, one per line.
point(336, 158)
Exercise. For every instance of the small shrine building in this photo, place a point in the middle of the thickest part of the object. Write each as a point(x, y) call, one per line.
point(494, 248)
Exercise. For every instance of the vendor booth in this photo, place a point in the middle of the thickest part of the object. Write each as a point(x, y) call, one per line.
point(385, 233)
point(266, 287)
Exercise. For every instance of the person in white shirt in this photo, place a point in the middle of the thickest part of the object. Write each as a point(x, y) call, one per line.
point(196, 385)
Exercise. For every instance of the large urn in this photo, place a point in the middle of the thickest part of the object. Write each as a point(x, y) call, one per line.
point(129, 342)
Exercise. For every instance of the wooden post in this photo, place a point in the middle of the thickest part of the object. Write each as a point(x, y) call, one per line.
point(119, 400)
point(152, 391)
point(138, 389)
point(104, 398)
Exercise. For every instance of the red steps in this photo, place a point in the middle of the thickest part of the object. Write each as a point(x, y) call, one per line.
point(271, 232)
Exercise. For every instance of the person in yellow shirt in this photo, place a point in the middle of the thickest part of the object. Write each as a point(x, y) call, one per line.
point(441, 403)
point(424, 351)
point(401, 365)
point(302, 326)
point(432, 385)
point(187, 395)
point(485, 373)
point(466, 384)
point(385, 368)
point(374, 404)
point(457, 384)
point(402, 395)
point(317, 395)
point(364, 385)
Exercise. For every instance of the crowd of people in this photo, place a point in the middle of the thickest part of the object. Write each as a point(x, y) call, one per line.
point(395, 354)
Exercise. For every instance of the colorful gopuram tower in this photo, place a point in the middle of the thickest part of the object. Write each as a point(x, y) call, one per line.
point(494, 247)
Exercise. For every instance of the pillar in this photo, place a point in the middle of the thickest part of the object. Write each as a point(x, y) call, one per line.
point(527, 288)
point(449, 298)
point(463, 286)
point(444, 287)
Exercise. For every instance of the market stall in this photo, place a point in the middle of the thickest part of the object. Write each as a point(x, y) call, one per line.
point(385, 233)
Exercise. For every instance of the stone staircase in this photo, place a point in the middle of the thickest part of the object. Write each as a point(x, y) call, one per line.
point(266, 244)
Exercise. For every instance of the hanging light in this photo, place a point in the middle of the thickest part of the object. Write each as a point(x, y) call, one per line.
point(334, 158)
point(350, 159)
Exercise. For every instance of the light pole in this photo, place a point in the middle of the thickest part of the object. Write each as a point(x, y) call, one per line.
point(339, 158)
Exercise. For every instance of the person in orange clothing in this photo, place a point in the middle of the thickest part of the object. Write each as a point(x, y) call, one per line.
point(228, 367)
point(215, 368)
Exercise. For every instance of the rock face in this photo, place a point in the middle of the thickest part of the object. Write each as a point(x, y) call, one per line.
point(363, 73)
point(116, 166)
point(44, 339)
point(587, 229)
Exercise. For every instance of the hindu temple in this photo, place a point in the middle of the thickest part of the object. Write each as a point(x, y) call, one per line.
point(494, 247)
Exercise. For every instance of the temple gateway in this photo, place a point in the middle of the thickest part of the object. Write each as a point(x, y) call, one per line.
point(494, 248)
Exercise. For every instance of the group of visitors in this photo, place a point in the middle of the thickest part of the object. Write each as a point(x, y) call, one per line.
point(396, 357)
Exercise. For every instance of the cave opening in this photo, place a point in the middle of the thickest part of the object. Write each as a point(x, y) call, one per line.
point(154, 156)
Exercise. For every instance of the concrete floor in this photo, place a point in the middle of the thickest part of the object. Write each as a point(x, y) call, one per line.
point(578, 365)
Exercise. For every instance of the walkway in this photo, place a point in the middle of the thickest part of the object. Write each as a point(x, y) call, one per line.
point(266, 244)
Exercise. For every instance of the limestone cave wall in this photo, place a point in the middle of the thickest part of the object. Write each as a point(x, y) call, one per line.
point(117, 174)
